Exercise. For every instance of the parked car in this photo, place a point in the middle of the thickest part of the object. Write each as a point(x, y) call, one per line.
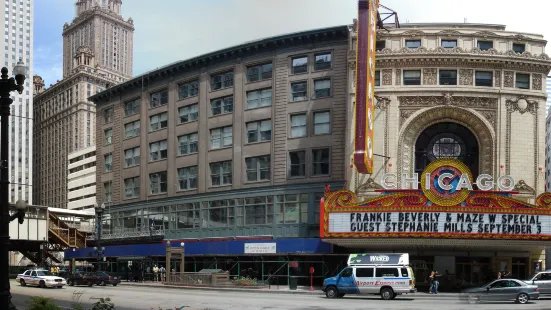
point(40, 277)
point(502, 290)
point(543, 280)
point(105, 278)
point(88, 278)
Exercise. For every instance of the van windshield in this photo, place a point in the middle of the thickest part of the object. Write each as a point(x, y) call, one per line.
point(346, 273)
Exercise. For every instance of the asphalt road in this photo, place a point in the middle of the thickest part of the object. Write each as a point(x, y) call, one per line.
point(147, 298)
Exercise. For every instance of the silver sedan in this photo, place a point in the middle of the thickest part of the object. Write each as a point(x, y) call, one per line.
point(502, 290)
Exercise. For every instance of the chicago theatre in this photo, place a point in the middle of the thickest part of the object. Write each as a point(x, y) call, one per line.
point(458, 152)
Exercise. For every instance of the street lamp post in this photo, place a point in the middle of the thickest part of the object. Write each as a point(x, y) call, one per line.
point(7, 85)
point(99, 250)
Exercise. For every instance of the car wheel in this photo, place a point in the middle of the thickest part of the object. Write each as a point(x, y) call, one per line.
point(22, 282)
point(42, 284)
point(522, 298)
point(114, 284)
point(473, 299)
point(331, 292)
point(387, 293)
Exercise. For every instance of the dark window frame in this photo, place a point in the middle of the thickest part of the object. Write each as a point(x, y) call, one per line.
point(447, 80)
point(188, 89)
point(253, 164)
point(408, 81)
point(519, 47)
point(413, 43)
point(484, 82)
point(327, 162)
point(161, 101)
point(377, 80)
point(222, 80)
point(523, 84)
point(444, 42)
point(484, 45)
point(323, 65)
point(301, 68)
point(301, 164)
point(259, 73)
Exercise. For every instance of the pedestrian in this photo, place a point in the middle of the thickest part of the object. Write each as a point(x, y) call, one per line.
point(155, 273)
point(435, 282)
point(431, 281)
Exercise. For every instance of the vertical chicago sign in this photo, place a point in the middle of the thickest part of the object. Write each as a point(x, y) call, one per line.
point(365, 85)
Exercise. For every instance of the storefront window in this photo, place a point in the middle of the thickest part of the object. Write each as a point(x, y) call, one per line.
point(292, 209)
point(255, 211)
point(187, 216)
point(220, 213)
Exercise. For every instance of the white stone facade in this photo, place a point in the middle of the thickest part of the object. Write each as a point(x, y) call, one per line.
point(506, 115)
point(81, 179)
point(18, 32)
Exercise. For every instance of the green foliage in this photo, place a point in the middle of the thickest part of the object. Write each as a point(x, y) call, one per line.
point(42, 303)
point(104, 304)
point(244, 281)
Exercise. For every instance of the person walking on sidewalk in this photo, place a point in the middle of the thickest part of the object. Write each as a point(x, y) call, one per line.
point(431, 281)
point(435, 282)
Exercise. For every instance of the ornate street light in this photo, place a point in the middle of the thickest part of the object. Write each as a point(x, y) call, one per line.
point(7, 85)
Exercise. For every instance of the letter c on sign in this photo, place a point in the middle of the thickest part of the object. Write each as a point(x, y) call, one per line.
point(503, 185)
point(441, 181)
point(384, 184)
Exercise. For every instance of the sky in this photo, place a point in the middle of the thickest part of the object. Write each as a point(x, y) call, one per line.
point(182, 29)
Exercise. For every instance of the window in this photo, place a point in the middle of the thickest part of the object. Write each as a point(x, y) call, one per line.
point(364, 272)
point(259, 72)
point(377, 78)
point(522, 81)
point(300, 65)
point(519, 48)
point(449, 43)
point(346, 273)
point(299, 91)
point(379, 45)
point(298, 125)
point(386, 272)
point(258, 168)
point(259, 98)
point(322, 123)
point(483, 78)
point(158, 99)
point(108, 136)
point(158, 150)
point(222, 80)
point(404, 272)
point(158, 183)
point(187, 178)
point(221, 173)
point(132, 107)
point(322, 88)
point(132, 157)
point(188, 89)
point(108, 115)
point(189, 113)
point(448, 77)
point(132, 129)
point(413, 43)
point(292, 209)
point(320, 162)
point(255, 211)
point(158, 121)
point(485, 45)
point(412, 77)
point(221, 137)
point(322, 61)
point(297, 161)
point(187, 144)
point(132, 187)
point(220, 213)
point(107, 192)
point(222, 105)
point(108, 162)
point(259, 131)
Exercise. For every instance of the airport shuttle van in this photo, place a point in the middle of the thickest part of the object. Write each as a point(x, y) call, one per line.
point(388, 275)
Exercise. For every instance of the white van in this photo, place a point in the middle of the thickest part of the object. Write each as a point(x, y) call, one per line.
point(388, 275)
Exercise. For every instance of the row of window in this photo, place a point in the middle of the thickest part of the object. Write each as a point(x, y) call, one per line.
point(256, 131)
point(449, 77)
point(256, 169)
point(448, 43)
point(255, 99)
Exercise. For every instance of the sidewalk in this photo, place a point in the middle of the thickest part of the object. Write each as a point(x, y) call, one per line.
point(283, 289)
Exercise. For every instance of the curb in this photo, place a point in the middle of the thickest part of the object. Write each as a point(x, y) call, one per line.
point(297, 292)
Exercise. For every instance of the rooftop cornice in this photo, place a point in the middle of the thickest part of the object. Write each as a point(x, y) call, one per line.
point(68, 80)
point(232, 53)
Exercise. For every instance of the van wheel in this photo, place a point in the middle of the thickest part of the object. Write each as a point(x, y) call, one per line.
point(387, 293)
point(331, 292)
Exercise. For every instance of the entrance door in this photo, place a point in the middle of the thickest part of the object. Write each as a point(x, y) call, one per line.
point(519, 268)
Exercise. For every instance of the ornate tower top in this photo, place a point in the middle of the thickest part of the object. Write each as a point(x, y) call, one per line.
point(111, 5)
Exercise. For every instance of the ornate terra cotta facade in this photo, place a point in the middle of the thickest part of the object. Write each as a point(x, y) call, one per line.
point(470, 92)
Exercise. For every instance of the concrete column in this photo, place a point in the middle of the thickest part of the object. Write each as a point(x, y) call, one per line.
point(168, 268)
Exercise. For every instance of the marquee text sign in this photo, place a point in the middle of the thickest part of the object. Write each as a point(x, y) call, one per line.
point(439, 223)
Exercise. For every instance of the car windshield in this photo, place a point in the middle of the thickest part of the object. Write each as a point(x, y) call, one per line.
point(42, 273)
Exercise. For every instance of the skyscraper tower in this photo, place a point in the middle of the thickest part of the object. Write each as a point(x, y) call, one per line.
point(18, 38)
point(97, 53)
